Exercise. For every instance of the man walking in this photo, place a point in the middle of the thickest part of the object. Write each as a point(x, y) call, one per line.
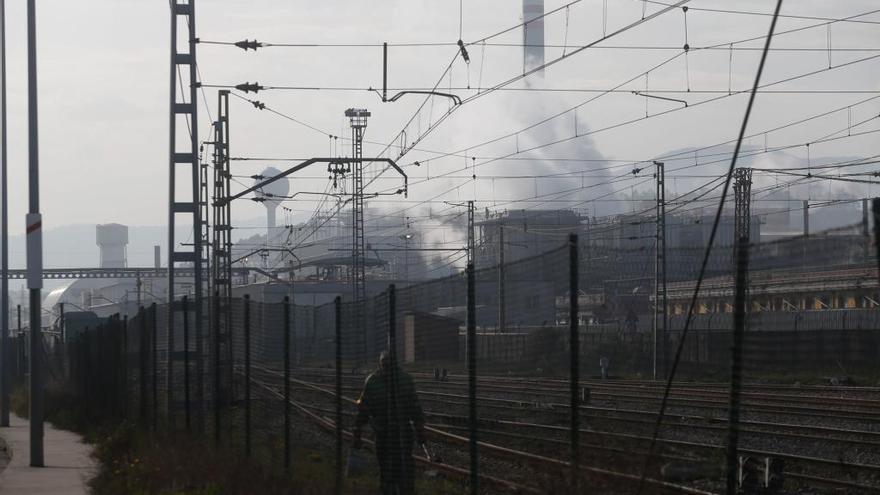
point(390, 404)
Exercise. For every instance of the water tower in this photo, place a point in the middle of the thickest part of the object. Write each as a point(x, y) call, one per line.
point(112, 239)
point(271, 196)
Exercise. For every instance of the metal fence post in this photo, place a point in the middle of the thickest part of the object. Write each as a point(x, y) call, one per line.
point(185, 311)
point(19, 346)
point(392, 324)
point(86, 375)
point(124, 367)
point(739, 324)
point(247, 375)
point(169, 365)
point(395, 379)
point(200, 367)
point(875, 207)
point(216, 344)
point(100, 376)
point(574, 352)
point(338, 343)
point(154, 365)
point(286, 382)
point(472, 380)
point(142, 366)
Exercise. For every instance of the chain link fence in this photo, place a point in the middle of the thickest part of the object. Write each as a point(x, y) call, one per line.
point(549, 374)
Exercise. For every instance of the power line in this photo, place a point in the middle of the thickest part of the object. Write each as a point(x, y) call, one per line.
point(768, 14)
point(550, 90)
point(510, 157)
point(428, 98)
point(519, 46)
point(541, 68)
point(720, 45)
point(687, 153)
point(708, 252)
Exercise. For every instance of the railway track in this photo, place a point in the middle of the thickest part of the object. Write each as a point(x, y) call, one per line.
point(552, 467)
point(825, 408)
point(550, 436)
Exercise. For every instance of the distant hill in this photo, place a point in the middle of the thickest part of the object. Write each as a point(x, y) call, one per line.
point(74, 245)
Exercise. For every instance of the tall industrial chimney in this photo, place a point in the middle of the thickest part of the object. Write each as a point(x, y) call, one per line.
point(112, 239)
point(533, 35)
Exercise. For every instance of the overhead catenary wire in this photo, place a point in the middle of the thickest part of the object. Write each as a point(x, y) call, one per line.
point(708, 251)
point(624, 176)
point(520, 46)
point(536, 69)
point(807, 27)
point(429, 98)
point(514, 157)
point(827, 20)
point(532, 89)
point(574, 108)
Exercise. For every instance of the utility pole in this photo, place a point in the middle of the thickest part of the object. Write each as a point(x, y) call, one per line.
point(661, 337)
point(806, 212)
point(742, 190)
point(806, 209)
point(471, 241)
point(221, 246)
point(865, 228)
point(502, 296)
point(406, 238)
point(139, 286)
point(471, 352)
point(183, 161)
point(34, 231)
point(358, 120)
point(4, 242)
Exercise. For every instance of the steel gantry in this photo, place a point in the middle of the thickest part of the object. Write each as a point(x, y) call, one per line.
point(184, 165)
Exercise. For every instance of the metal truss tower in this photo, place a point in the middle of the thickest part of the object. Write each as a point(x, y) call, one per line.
point(221, 243)
point(221, 240)
point(742, 193)
point(184, 165)
point(661, 304)
point(742, 219)
point(358, 120)
point(471, 240)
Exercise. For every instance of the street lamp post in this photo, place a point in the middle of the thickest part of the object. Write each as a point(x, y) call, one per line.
point(4, 248)
point(34, 231)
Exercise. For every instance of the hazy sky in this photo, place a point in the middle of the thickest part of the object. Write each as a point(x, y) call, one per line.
point(103, 81)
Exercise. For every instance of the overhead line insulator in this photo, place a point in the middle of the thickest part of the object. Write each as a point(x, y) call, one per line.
point(249, 45)
point(250, 87)
point(464, 53)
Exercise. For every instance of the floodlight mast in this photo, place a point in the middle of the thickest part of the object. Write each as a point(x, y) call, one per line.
point(340, 167)
point(357, 272)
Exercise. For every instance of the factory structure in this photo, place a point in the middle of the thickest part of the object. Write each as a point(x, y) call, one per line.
point(101, 294)
point(315, 262)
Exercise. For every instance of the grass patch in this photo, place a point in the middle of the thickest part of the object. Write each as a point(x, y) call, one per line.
point(137, 463)
point(62, 408)
point(134, 462)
